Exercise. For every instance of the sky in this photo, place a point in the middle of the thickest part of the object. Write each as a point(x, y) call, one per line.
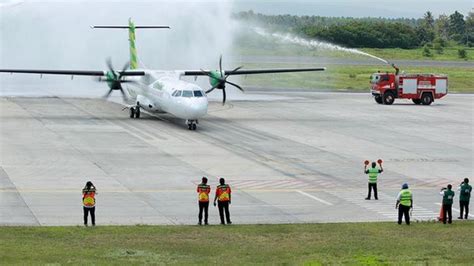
point(337, 8)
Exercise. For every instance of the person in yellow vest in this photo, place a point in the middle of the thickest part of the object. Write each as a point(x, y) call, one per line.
point(373, 173)
point(203, 191)
point(404, 204)
point(223, 198)
point(88, 201)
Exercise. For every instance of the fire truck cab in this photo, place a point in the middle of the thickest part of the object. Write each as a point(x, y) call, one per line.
point(420, 88)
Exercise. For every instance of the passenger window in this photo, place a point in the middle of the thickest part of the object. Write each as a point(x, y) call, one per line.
point(188, 94)
point(197, 93)
point(385, 78)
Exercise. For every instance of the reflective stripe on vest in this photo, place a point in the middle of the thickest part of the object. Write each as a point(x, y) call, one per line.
point(89, 199)
point(224, 193)
point(203, 193)
point(373, 173)
point(405, 197)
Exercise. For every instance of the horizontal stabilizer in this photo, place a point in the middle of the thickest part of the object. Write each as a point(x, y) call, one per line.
point(128, 27)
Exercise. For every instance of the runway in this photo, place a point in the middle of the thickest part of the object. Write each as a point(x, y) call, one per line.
point(289, 156)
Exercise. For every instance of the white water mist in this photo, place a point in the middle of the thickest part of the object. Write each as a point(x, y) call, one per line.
point(289, 38)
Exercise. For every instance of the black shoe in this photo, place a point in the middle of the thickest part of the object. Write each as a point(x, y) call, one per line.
point(229, 222)
point(199, 223)
point(460, 217)
point(376, 198)
point(206, 223)
point(367, 198)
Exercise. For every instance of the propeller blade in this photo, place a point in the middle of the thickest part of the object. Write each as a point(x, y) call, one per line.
point(223, 95)
point(237, 68)
point(220, 66)
point(124, 96)
point(107, 94)
point(235, 85)
point(125, 67)
point(211, 89)
point(111, 67)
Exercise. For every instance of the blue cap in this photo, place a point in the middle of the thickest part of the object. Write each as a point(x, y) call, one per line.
point(405, 186)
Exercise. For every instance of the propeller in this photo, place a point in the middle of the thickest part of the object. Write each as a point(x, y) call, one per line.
point(114, 79)
point(218, 80)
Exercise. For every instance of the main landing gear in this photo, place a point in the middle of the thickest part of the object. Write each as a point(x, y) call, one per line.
point(135, 111)
point(192, 124)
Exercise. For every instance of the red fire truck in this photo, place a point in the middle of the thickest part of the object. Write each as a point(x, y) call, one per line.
point(420, 88)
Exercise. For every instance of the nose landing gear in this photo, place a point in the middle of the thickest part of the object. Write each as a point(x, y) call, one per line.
point(192, 124)
point(135, 111)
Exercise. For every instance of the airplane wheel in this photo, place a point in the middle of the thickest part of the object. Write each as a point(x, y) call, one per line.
point(132, 112)
point(194, 126)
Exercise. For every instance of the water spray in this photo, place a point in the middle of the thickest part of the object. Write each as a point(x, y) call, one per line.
point(289, 38)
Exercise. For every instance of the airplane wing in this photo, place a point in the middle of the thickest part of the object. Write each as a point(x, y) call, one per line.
point(71, 72)
point(253, 71)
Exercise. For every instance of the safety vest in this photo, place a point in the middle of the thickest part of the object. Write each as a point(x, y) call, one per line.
point(373, 173)
point(405, 197)
point(465, 194)
point(448, 197)
point(223, 193)
point(203, 192)
point(88, 198)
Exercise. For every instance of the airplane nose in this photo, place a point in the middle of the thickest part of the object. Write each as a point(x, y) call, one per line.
point(197, 109)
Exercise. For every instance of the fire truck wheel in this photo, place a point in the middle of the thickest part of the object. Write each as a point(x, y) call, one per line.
point(378, 99)
point(416, 101)
point(426, 98)
point(388, 98)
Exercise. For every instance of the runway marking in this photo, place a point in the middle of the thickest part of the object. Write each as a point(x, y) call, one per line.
point(454, 209)
point(313, 197)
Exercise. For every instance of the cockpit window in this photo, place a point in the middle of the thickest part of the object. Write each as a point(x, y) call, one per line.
point(177, 93)
point(187, 93)
point(198, 94)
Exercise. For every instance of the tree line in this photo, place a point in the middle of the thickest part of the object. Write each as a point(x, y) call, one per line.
point(374, 32)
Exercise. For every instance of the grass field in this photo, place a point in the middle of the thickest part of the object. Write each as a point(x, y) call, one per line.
point(351, 78)
point(304, 244)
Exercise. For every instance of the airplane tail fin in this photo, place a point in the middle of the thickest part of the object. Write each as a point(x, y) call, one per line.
point(131, 38)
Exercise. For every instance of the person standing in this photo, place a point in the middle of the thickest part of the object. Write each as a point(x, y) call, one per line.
point(88, 201)
point(223, 198)
point(464, 196)
point(373, 173)
point(448, 196)
point(404, 204)
point(203, 191)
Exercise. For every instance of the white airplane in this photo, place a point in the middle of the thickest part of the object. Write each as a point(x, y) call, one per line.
point(161, 91)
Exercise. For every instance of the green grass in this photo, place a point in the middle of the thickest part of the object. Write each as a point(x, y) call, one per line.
point(351, 78)
point(304, 244)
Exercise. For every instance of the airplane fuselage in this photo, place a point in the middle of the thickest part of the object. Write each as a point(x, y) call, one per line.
point(165, 92)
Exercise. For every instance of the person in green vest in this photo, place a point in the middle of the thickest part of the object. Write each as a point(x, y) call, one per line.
point(373, 173)
point(404, 204)
point(448, 196)
point(464, 197)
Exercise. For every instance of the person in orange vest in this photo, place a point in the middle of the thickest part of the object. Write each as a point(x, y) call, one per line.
point(203, 191)
point(223, 198)
point(88, 201)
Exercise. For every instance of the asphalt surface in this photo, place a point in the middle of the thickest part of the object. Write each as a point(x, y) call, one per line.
point(290, 157)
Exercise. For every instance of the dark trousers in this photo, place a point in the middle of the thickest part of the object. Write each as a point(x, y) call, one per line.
point(447, 210)
point(403, 211)
point(224, 207)
point(374, 186)
point(203, 206)
point(464, 206)
point(86, 213)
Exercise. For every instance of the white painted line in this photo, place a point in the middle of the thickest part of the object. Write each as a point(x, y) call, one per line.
point(454, 209)
point(313, 197)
